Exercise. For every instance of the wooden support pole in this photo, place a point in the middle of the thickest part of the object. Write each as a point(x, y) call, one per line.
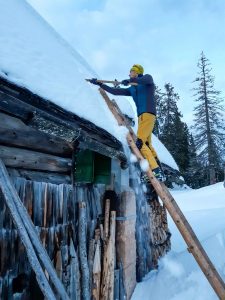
point(85, 281)
point(106, 220)
point(125, 239)
point(112, 254)
point(194, 246)
point(91, 254)
point(107, 286)
point(75, 274)
point(97, 272)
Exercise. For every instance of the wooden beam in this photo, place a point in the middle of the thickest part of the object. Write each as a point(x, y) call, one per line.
point(25, 159)
point(35, 140)
point(7, 121)
point(14, 107)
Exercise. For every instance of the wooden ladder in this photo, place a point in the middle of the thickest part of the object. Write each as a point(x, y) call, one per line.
point(193, 244)
point(36, 253)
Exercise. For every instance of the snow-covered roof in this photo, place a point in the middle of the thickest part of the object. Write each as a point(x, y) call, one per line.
point(34, 56)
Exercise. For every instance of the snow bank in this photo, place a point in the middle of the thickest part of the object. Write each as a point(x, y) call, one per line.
point(179, 277)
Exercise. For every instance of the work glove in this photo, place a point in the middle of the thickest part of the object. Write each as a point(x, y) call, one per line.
point(94, 81)
point(125, 82)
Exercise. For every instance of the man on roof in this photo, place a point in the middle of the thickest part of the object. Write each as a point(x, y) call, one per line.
point(143, 94)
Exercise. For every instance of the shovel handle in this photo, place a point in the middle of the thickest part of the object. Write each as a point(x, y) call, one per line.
point(114, 82)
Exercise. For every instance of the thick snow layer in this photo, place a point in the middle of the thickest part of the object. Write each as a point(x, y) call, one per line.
point(34, 56)
point(179, 276)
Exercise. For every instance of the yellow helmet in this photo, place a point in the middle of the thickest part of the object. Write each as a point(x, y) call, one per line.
point(138, 69)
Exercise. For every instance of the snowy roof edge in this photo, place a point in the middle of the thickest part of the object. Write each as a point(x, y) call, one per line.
point(34, 104)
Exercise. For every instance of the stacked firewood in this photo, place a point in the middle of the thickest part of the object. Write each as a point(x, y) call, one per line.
point(160, 234)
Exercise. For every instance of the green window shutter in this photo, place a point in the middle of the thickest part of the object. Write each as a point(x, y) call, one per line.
point(102, 169)
point(92, 167)
point(85, 166)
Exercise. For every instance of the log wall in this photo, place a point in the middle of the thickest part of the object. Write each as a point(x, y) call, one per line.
point(56, 211)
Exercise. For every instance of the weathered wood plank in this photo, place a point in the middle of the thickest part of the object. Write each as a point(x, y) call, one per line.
point(30, 138)
point(9, 104)
point(125, 238)
point(29, 228)
point(49, 177)
point(75, 274)
point(25, 159)
point(106, 220)
point(85, 281)
point(107, 286)
point(112, 254)
point(7, 121)
point(96, 273)
point(9, 196)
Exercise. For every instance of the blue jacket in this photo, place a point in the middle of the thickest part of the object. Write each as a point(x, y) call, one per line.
point(143, 94)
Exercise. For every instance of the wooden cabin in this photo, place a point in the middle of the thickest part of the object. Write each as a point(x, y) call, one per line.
point(71, 202)
point(102, 231)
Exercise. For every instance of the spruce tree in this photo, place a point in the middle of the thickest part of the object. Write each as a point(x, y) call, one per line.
point(159, 113)
point(173, 131)
point(168, 110)
point(209, 135)
point(192, 174)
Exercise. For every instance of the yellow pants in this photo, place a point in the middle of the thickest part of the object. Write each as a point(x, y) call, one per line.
point(146, 122)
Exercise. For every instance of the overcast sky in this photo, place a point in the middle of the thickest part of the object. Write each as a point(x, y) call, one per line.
point(165, 36)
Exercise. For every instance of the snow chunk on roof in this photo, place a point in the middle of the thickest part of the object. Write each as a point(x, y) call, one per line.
point(34, 56)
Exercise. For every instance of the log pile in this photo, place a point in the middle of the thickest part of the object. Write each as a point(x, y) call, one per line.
point(158, 227)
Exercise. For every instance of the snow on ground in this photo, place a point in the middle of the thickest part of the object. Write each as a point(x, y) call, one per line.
point(179, 277)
